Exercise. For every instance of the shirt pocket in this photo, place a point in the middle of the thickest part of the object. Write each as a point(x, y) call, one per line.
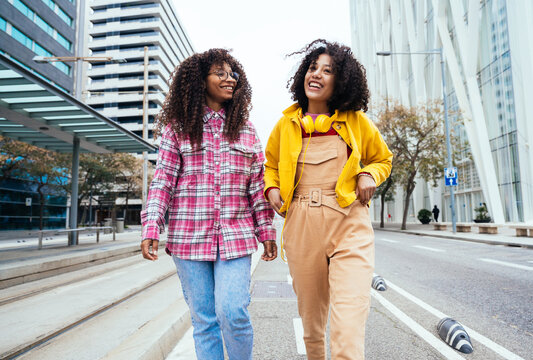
point(240, 158)
point(195, 160)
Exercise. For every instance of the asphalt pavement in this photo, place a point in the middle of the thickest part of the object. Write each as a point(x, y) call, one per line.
point(19, 255)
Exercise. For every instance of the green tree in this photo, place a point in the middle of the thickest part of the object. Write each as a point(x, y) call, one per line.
point(129, 177)
point(417, 139)
point(97, 175)
point(46, 169)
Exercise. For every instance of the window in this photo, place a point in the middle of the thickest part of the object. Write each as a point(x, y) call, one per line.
point(63, 15)
point(39, 50)
point(44, 25)
point(3, 24)
point(64, 42)
point(20, 6)
point(21, 38)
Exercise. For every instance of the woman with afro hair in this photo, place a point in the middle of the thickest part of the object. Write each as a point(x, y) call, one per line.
point(324, 161)
point(209, 175)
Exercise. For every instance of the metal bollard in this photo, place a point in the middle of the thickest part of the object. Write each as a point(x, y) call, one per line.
point(40, 240)
point(97, 235)
point(114, 230)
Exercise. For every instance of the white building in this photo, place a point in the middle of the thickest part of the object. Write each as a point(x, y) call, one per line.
point(121, 29)
point(488, 53)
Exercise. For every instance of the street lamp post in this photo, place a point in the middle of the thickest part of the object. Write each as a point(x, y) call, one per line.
point(73, 216)
point(445, 103)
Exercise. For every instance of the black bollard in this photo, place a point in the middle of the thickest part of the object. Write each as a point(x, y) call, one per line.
point(453, 334)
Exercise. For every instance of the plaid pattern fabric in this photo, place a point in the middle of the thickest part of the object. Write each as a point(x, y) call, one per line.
point(214, 194)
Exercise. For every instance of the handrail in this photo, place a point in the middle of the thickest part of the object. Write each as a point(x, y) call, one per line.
point(90, 228)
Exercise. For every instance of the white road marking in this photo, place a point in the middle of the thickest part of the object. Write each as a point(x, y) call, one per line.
point(428, 248)
point(498, 349)
point(299, 334)
point(439, 345)
point(289, 280)
point(517, 266)
point(388, 240)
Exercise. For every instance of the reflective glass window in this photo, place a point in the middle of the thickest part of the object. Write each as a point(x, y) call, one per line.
point(21, 37)
point(44, 25)
point(20, 6)
point(64, 42)
point(39, 50)
point(3, 24)
point(63, 15)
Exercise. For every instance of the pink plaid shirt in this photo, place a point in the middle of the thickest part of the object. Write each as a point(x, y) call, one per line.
point(214, 194)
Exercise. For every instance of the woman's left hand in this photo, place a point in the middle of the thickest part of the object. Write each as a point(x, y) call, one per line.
point(271, 250)
point(366, 186)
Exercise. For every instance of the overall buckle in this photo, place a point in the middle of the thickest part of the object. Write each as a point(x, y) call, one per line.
point(315, 197)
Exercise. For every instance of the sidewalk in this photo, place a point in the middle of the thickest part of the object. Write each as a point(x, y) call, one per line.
point(22, 262)
point(506, 236)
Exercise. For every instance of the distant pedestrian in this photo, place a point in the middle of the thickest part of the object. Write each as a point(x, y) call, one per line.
point(435, 212)
point(390, 217)
point(209, 175)
point(314, 178)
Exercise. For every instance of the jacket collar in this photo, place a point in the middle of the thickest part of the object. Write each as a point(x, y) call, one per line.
point(295, 113)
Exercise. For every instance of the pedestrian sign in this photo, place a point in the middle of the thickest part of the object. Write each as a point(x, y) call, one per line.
point(450, 176)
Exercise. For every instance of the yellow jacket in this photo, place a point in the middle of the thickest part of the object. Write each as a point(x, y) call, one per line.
point(368, 148)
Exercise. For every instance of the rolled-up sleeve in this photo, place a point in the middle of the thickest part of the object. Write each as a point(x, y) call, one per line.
point(162, 186)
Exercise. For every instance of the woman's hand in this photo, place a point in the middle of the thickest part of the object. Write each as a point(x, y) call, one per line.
point(271, 250)
point(366, 186)
point(274, 198)
point(145, 248)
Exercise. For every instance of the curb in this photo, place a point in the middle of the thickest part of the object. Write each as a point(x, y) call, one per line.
point(459, 238)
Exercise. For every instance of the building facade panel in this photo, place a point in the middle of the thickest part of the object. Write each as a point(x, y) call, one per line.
point(487, 54)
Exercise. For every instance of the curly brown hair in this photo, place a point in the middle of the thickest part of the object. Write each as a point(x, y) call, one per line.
point(351, 89)
point(184, 104)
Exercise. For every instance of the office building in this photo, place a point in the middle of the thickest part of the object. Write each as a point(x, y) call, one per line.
point(40, 27)
point(122, 29)
point(31, 28)
point(488, 56)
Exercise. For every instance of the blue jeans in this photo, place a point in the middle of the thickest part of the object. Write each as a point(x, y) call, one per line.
point(218, 295)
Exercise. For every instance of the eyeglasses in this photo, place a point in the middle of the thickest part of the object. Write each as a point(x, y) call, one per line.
point(223, 74)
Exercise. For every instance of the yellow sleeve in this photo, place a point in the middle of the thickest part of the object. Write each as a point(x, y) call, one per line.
point(272, 159)
point(375, 156)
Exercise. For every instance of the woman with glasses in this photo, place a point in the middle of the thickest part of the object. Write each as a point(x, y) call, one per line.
point(209, 176)
point(314, 178)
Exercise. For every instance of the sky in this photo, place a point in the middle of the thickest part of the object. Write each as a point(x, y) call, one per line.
point(261, 33)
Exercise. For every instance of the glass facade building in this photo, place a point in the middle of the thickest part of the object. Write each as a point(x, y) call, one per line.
point(29, 28)
point(488, 56)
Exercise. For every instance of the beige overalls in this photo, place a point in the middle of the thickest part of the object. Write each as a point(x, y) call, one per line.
point(330, 252)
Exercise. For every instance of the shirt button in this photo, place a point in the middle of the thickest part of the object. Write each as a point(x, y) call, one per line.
point(217, 162)
point(216, 135)
point(217, 192)
point(216, 223)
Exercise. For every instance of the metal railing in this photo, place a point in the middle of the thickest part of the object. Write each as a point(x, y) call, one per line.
point(91, 228)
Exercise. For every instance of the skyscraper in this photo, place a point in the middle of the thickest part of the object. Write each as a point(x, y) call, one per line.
point(488, 57)
point(122, 29)
point(40, 27)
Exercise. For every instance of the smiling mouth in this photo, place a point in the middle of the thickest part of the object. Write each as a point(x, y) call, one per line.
point(314, 85)
point(230, 88)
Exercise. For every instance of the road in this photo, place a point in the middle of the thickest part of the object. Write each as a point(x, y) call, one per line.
point(489, 289)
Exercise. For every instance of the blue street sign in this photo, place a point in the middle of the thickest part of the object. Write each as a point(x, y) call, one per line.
point(450, 176)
